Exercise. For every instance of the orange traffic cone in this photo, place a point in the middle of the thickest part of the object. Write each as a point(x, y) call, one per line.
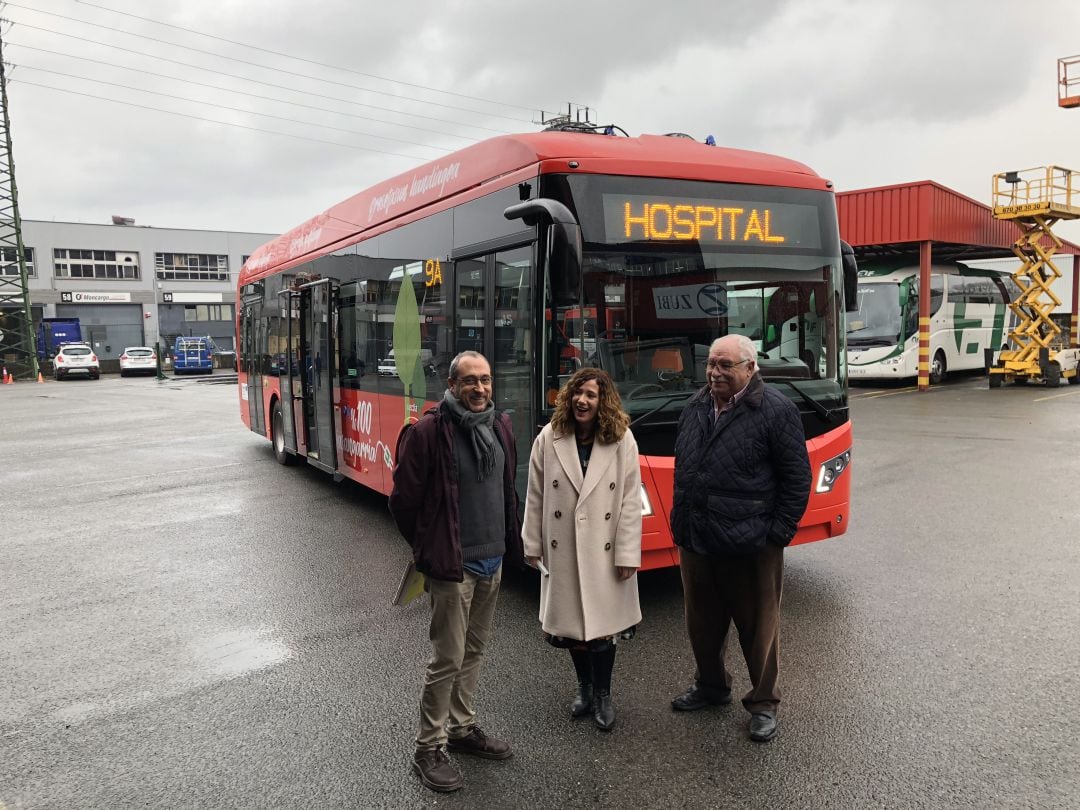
point(40, 379)
point(7, 377)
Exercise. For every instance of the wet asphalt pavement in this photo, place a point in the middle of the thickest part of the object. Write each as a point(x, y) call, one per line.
point(185, 623)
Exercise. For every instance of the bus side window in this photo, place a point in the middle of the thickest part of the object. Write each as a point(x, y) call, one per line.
point(937, 293)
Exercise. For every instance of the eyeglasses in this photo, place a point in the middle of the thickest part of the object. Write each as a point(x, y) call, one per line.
point(472, 382)
point(725, 365)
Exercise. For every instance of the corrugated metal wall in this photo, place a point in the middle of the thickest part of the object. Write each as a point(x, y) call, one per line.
point(915, 212)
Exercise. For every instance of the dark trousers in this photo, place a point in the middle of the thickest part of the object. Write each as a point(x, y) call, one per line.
point(744, 590)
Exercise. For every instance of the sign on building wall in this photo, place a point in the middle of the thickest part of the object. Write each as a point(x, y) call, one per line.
point(192, 298)
point(75, 297)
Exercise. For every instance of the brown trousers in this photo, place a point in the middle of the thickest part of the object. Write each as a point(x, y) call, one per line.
point(746, 590)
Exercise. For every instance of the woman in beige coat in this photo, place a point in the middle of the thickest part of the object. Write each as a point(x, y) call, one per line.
point(583, 530)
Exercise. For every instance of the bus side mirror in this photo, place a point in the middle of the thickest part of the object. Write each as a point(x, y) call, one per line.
point(851, 277)
point(563, 244)
point(770, 334)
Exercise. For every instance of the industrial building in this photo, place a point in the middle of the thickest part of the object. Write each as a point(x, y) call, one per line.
point(135, 285)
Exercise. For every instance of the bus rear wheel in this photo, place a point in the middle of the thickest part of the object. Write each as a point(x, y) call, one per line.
point(938, 369)
point(277, 436)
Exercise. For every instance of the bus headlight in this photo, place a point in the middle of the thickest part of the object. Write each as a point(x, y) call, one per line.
point(646, 504)
point(832, 470)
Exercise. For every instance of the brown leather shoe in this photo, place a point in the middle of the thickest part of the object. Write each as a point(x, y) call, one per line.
point(435, 771)
point(479, 744)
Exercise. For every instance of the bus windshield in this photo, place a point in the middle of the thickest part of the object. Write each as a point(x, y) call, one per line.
point(879, 319)
point(650, 308)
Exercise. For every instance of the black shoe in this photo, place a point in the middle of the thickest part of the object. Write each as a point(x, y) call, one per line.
point(603, 711)
point(583, 703)
point(762, 726)
point(435, 771)
point(479, 744)
point(698, 697)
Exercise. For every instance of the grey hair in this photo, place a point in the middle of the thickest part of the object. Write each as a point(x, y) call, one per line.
point(459, 357)
point(746, 348)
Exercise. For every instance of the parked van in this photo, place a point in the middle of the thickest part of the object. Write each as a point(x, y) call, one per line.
point(193, 355)
point(52, 332)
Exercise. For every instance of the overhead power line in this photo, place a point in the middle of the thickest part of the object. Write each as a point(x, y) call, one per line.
point(114, 47)
point(218, 87)
point(267, 67)
point(302, 59)
point(24, 83)
point(233, 109)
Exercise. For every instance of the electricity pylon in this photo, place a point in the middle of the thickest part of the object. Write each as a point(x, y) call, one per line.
point(18, 351)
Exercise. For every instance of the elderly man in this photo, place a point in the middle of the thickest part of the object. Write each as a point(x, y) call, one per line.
point(454, 501)
point(742, 482)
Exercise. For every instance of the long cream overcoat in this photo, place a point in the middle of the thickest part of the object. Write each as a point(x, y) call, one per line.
point(582, 527)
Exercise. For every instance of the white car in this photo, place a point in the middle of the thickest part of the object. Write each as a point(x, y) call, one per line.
point(388, 366)
point(138, 359)
point(78, 359)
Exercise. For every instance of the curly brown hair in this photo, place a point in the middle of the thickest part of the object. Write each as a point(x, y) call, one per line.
point(612, 420)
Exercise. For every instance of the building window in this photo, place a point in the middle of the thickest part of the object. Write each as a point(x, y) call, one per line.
point(208, 312)
point(9, 260)
point(106, 264)
point(191, 267)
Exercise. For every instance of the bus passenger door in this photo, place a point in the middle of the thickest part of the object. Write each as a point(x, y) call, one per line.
point(283, 362)
point(315, 370)
point(250, 351)
point(255, 375)
point(494, 315)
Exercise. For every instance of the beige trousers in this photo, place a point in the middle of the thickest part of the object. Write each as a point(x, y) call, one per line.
point(461, 618)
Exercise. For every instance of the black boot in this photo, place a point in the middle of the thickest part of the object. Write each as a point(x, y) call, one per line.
point(583, 703)
point(602, 654)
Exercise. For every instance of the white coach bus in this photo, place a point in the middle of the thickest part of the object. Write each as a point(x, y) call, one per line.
point(969, 313)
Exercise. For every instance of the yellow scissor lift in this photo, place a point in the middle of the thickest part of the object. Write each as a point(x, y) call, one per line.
point(1036, 199)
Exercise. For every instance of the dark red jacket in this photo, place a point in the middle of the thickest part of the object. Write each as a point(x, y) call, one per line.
point(424, 501)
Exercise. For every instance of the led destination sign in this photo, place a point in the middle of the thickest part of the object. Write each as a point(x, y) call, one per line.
point(642, 218)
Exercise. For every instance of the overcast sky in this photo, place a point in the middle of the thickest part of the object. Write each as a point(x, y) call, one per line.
point(866, 92)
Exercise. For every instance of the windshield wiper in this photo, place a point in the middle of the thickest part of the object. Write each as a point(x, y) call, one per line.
point(870, 341)
point(818, 408)
point(667, 401)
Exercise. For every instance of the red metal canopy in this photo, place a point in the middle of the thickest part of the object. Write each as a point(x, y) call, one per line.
point(893, 220)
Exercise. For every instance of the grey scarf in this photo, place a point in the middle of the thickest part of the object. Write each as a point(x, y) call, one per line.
point(479, 427)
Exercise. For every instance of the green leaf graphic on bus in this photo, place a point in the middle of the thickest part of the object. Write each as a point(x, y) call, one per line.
point(407, 344)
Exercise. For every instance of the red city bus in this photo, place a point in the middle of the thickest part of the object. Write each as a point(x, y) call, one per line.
point(546, 252)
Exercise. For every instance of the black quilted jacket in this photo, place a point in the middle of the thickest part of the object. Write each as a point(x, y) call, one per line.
point(744, 481)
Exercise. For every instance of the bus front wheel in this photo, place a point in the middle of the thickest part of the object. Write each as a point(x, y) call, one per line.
point(277, 436)
point(938, 369)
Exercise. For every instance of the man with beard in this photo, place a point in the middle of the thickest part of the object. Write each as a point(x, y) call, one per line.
point(454, 501)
